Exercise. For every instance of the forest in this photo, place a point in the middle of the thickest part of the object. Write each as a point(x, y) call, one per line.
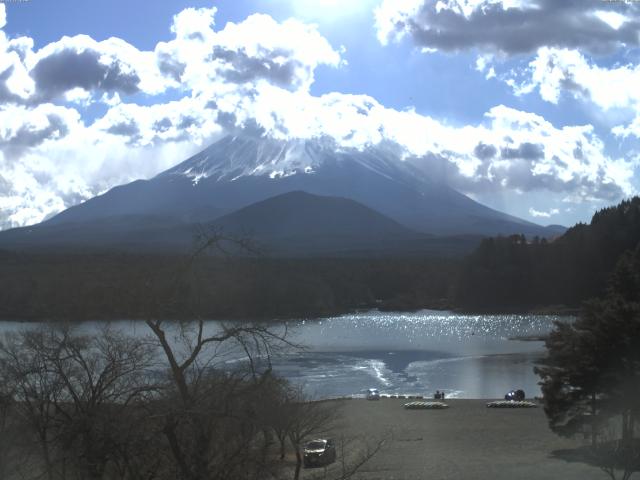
point(504, 274)
point(516, 273)
point(116, 286)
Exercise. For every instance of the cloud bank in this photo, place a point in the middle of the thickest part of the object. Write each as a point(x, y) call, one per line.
point(510, 27)
point(570, 44)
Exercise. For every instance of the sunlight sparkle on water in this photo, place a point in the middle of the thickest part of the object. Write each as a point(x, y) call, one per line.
point(438, 324)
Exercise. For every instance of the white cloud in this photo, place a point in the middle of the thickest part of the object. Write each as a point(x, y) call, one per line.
point(542, 214)
point(111, 65)
point(391, 18)
point(198, 58)
point(23, 128)
point(614, 19)
point(259, 48)
point(630, 129)
point(15, 83)
point(194, 23)
point(482, 61)
point(555, 71)
point(184, 120)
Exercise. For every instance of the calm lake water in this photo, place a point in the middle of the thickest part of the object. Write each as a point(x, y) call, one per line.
point(467, 356)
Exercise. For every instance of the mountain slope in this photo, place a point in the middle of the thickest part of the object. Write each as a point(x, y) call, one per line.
point(133, 232)
point(302, 223)
point(240, 170)
point(303, 214)
point(293, 224)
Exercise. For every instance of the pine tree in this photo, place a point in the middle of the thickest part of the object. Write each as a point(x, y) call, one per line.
point(591, 374)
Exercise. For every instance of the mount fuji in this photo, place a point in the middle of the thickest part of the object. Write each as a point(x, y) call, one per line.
point(239, 171)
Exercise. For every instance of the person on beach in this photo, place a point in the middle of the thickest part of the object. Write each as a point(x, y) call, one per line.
point(437, 395)
point(442, 395)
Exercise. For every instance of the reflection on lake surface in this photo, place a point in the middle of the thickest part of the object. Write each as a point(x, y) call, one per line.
point(470, 356)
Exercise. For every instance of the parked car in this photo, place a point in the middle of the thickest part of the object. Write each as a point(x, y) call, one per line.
point(373, 394)
point(516, 395)
point(319, 452)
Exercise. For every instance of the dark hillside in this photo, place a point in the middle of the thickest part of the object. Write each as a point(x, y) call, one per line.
point(511, 273)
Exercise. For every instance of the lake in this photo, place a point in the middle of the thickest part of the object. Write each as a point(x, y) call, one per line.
point(467, 356)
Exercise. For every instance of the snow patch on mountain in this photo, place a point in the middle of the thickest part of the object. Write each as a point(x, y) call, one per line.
point(235, 157)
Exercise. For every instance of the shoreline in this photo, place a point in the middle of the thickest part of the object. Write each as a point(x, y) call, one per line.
point(331, 314)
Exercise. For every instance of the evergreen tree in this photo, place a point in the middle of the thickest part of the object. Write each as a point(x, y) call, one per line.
point(591, 374)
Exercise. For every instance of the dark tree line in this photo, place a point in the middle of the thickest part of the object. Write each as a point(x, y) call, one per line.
point(503, 274)
point(515, 273)
point(116, 286)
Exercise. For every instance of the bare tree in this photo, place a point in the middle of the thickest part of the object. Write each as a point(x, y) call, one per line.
point(276, 409)
point(212, 421)
point(6, 406)
point(34, 388)
point(316, 419)
point(364, 450)
point(308, 419)
point(208, 402)
point(75, 393)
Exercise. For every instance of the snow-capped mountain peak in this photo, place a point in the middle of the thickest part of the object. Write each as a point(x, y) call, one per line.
point(238, 156)
point(234, 157)
point(241, 170)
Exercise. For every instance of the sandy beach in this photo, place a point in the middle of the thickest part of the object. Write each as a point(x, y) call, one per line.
point(465, 441)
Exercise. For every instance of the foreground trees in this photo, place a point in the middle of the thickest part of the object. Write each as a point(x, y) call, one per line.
point(75, 399)
point(210, 416)
point(102, 407)
point(156, 407)
point(591, 375)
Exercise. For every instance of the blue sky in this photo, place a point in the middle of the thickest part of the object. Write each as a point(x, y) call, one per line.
point(520, 111)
